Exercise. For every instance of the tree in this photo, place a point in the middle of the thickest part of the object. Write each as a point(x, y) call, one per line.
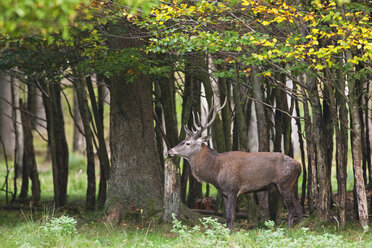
point(6, 115)
point(56, 139)
point(135, 183)
point(81, 94)
point(29, 169)
point(48, 17)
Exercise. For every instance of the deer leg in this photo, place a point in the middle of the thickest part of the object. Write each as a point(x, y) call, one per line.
point(289, 202)
point(230, 210)
point(298, 207)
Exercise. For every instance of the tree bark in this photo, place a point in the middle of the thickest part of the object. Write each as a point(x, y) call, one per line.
point(135, 184)
point(172, 186)
point(322, 200)
point(240, 122)
point(356, 149)
point(18, 148)
point(78, 143)
point(186, 110)
point(81, 95)
point(225, 93)
point(195, 187)
point(219, 142)
point(367, 135)
point(312, 188)
point(38, 118)
point(278, 118)
point(328, 127)
point(171, 190)
point(56, 139)
point(283, 132)
point(29, 161)
point(6, 130)
point(341, 127)
point(101, 147)
point(167, 99)
point(158, 119)
point(263, 141)
point(302, 150)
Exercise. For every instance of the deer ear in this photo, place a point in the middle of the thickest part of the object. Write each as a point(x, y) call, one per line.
point(204, 139)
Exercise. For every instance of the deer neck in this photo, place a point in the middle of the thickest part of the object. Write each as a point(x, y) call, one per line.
point(203, 165)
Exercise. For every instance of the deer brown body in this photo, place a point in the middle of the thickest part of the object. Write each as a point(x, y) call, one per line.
point(235, 173)
point(243, 172)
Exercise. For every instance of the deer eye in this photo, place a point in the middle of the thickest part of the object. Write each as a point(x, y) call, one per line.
point(187, 143)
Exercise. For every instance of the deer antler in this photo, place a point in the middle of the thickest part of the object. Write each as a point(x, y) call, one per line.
point(198, 129)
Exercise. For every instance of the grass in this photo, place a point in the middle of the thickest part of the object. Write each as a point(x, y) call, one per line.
point(56, 229)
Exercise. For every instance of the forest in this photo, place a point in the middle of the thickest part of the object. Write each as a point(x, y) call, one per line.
point(94, 93)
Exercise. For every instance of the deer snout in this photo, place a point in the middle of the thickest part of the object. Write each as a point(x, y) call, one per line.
point(172, 152)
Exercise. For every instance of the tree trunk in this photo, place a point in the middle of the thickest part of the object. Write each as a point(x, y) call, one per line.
point(172, 186)
point(6, 110)
point(240, 122)
point(97, 109)
point(302, 150)
point(29, 161)
point(328, 127)
point(282, 130)
point(26, 155)
point(135, 184)
point(171, 190)
point(17, 126)
point(356, 149)
point(57, 140)
point(278, 119)
point(167, 99)
point(186, 110)
point(10, 129)
point(341, 127)
point(263, 141)
point(322, 200)
point(367, 134)
point(36, 107)
point(195, 187)
point(78, 143)
point(225, 112)
point(219, 142)
point(158, 118)
point(17, 159)
point(312, 188)
point(81, 95)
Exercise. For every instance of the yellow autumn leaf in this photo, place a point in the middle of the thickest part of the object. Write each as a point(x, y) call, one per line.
point(267, 74)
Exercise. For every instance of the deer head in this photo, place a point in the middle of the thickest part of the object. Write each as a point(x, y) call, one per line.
point(193, 141)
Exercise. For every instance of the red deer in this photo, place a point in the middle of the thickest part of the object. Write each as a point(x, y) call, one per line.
point(234, 173)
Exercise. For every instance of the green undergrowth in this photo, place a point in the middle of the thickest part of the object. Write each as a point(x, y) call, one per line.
point(62, 229)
